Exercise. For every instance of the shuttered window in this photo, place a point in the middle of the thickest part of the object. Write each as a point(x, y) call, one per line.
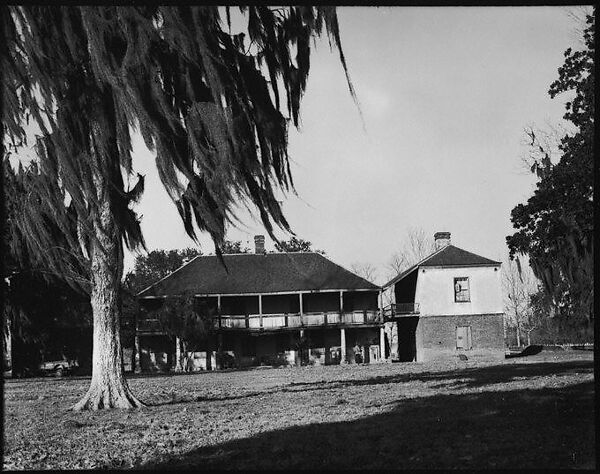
point(463, 338)
point(461, 290)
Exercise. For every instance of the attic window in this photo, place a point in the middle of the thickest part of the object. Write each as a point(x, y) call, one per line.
point(462, 293)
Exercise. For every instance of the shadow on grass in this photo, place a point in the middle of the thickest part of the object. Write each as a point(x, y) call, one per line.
point(459, 378)
point(528, 351)
point(544, 428)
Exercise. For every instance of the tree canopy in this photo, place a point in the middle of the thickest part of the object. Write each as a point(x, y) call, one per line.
point(41, 311)
point(88, 76)
point(555, 227)
point(157, 264)
point(234, 246)
point(295, 244)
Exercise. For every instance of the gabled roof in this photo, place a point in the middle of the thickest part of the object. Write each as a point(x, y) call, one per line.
point(448, 256)
point(258, 273)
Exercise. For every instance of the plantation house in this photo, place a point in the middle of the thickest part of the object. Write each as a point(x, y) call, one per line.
point(266, 308)
point(301, 308)
point(447, 304)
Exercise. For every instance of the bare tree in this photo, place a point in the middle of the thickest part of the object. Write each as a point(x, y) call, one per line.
point(518, 285)
point(365, 270)
point(415, 247)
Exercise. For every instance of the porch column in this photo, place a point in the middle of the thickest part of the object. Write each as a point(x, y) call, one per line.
point(219, 336)
point(301, 309)
point(382, 344)
point(343, 344)
point(341, 302)
point(137, 366)
point(219, 310)
point(294, 350)
point(260, 318)
point(178, 367)
point(303, 349)
point(219, 350)
point(209, 359)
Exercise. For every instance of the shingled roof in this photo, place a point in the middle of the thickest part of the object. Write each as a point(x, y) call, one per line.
point(258, 273)
point(448, 256)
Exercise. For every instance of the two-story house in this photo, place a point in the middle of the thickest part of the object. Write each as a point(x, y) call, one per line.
point(448, 303)
point(269, 308)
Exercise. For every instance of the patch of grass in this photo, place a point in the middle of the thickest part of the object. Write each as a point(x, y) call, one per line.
point(527, 412)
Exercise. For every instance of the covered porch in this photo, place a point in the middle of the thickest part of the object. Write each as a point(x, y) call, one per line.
point(278, 329)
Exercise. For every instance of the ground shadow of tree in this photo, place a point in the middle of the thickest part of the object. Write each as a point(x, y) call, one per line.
point(543, 428)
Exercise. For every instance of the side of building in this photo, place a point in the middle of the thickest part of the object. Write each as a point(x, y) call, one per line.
point(448, 304)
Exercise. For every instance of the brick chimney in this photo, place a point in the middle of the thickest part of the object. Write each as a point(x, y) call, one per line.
point(259, 244)
point(442, 239)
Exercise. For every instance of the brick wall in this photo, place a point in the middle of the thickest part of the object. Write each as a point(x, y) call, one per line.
point(436, 336)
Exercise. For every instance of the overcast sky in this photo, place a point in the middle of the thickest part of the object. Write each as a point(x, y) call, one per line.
point(445, 94)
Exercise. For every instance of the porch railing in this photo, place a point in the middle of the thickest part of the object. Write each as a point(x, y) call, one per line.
point(149, 325)
point(296, 320)
point(281, 320)
point(400, 310)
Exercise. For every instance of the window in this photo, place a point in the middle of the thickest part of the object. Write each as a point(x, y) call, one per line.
point(463, 338)
point(461, 290)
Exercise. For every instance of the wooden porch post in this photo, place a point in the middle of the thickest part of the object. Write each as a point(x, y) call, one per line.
point(137, 360)
point(178, 367)
point(209, 359)
point(301, 309)
point(220, 350)
point(260, 318)
point(382, 344)
point(137, 366)
point(219, 337)
point(219, 310)
point(343, 344)
point(303, 349)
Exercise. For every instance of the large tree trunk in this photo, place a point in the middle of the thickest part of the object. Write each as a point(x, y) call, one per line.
point(109, 388)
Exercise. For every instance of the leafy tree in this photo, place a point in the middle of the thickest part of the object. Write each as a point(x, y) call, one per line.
point(87, 76)
point(553, 329)
point(44, 316)
point(147, 270)
point(234, 246)
point(157, 264)
point(186, 318)
point(295, 245)
point(555, 226)
point(41, 312)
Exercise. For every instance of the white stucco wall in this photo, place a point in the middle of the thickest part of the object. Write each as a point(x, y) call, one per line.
point(435, 290)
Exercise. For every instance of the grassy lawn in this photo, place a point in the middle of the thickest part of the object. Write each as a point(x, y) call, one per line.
point(532, 412)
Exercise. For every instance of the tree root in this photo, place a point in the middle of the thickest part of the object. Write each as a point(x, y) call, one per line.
point(99, 398)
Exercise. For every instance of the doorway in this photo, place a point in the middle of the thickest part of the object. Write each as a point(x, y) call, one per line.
point(407, 338)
